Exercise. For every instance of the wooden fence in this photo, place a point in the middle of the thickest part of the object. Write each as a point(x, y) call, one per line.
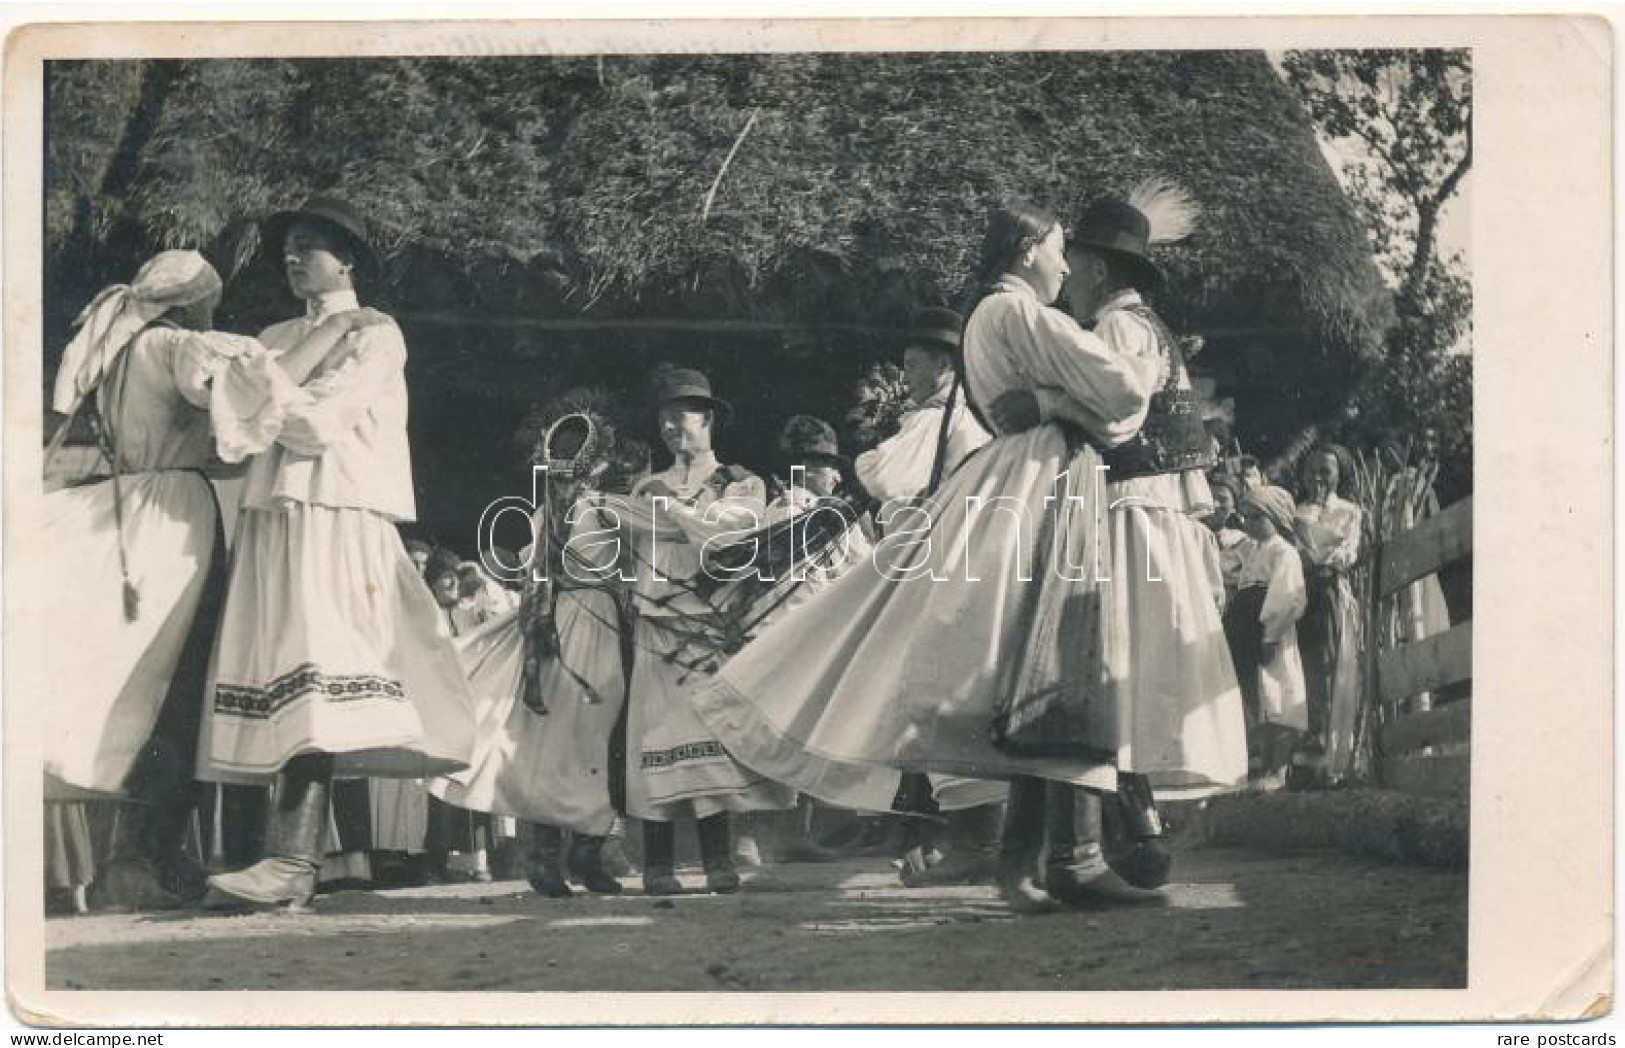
point(1422, 687)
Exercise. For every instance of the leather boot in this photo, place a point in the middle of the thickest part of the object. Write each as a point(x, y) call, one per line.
point(716, 853)
point(659, 858)
point(547, 862)
point(797, 843)
point(1135, 847)
point(587, 867)
point(178, 873)
point(1077, 873)
point(287, 874)
point(1020, 843)
point(149, 868)
point(612, 856)
point(973, 848)
point(243, 814)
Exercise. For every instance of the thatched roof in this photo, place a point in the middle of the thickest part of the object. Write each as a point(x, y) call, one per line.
point(577, 187)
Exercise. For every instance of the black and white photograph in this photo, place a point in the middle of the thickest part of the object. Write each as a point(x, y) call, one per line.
point(765, 520)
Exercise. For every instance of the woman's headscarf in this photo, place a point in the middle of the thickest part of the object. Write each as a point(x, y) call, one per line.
point(117, 315)
point(1276, 504)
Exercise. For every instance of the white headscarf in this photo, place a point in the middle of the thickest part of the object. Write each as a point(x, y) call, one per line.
point(117, 315)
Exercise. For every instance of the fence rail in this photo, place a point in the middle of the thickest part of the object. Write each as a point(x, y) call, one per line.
point(1421, 747)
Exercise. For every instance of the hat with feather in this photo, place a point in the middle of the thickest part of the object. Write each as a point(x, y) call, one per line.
point(1156, 212)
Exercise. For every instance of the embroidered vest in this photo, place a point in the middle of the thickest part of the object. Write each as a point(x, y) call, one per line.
point(1173, 437)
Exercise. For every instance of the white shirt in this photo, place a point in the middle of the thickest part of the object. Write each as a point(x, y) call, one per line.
point(900, 466)
point(1135, 342)
point(1275, 564)
point(343, 443)
point(1014, 342)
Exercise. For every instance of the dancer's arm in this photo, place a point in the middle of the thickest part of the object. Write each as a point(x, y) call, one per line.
point(332, 404)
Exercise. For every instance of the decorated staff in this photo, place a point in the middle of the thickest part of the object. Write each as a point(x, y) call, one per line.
point(549, 679)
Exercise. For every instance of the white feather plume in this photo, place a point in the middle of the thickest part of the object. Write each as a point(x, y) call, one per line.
point(1167, 207)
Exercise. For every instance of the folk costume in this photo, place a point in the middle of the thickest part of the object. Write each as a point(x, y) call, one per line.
point(136, 560)
point(1270, 598)
point(946, 654)
point(1329, 538)
point(549, 680)
point(333, 660)
point(902, 465)
point(677, 767)
point(1181, 713)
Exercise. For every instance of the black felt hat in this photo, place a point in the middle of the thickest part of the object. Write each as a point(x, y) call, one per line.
point(331, 214)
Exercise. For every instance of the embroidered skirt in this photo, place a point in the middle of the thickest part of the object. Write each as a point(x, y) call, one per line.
point(331, 643)
point(675, 765)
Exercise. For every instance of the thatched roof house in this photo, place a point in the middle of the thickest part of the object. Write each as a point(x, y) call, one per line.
point(555, 220)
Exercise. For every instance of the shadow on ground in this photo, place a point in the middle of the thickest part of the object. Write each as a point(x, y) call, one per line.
point(1235, 920)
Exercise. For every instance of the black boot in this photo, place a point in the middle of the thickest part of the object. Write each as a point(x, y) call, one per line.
point(287, 874)
point(1077, 873)
point(244, 811)
point(587, 866)
point(178, 873)
point(149, 868)
point(612, 855)
point(547, 862)
point(1020, 844)
point(716, 853)
point(659, 859)
point(1135, 847)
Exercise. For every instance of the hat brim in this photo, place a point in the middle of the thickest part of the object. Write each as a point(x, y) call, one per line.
point(724, 411)
point(1149, 275)
point(930, 338)
point(274, 230)
point(822, 458)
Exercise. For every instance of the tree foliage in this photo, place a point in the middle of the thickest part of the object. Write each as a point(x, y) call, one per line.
point(1410, 112)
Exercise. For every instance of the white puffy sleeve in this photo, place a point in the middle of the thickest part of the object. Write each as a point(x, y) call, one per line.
point(366, 366)
point(1286, 599)
point(235, 378)
point(1093, 386)
point(900, 466)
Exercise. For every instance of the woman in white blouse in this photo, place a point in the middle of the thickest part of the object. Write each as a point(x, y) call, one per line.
point(966, 646)
point(1329, 529)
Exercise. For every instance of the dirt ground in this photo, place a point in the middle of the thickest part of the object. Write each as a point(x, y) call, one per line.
point(1236, 919)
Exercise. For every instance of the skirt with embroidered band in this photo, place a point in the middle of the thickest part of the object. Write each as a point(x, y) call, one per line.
point(109, 682)
point(907, 663)
point(675, 766)
point(331, 643)
point(1182, 719)
point(550, 768)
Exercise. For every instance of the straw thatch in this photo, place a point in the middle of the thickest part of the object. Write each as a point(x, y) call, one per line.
point(769, 216)
point(630, 186)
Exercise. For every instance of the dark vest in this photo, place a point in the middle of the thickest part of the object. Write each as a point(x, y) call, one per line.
point(1173, 437)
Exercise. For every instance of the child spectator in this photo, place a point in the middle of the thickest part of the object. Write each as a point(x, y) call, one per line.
point(1261, 626)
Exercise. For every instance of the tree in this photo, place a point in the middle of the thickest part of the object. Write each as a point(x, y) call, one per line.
point(1404, 120)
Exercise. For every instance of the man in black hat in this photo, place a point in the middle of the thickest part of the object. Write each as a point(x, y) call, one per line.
point(1178, 701)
